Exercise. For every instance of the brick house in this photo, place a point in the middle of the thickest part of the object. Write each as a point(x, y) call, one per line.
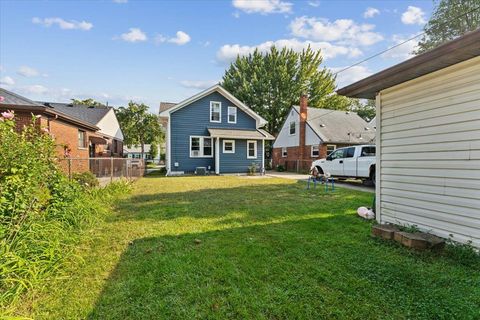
point(70, 133)
point(312, 133)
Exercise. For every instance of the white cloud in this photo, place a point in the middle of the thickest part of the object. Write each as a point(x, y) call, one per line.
point(314, 3)
point(341, 30)
point(63, 24)
point(403, 51)
point(263, 6)
point(27, 71)
point(413, 15)
point(8, 81)
point(371, 12)
point(198, 84)
point(229, 52)
point(350, 75)
point(134, 35)
point(34, 89)
point(180, 39)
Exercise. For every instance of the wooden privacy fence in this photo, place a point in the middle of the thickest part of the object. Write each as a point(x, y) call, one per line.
point(105, 168)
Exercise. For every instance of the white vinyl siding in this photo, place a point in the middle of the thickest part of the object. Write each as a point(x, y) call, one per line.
point(428, 145)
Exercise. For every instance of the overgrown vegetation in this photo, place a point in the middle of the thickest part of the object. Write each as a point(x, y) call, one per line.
point(42, 213)
point(85, 179)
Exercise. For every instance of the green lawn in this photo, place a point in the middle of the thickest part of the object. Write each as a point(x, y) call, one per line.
point(251, 248)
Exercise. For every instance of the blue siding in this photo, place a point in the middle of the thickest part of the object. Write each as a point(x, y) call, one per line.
point(194, 120)
point(237, 162)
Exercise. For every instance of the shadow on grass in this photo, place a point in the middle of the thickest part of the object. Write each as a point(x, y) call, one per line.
point(308, 269)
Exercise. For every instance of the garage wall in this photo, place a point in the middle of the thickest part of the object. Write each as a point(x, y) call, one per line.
point(428, 145)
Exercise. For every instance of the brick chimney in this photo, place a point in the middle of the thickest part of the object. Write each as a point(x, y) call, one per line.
point(303, 123)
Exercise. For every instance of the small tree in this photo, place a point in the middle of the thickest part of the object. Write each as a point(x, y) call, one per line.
point(87, 102)
point(364, 108)
point(153, 150)
point(450, 19)
point(139, 127)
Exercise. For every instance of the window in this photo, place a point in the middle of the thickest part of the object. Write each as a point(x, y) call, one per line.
point(232, 114)
point(292, 128)
point(251, 149)
point(201, 147)
point(284, 152)
point(337, 154)
point(315, 151)
point(215, 111)
point(228, 146)
point(350, 152)
point(368, 152)
point(331, 148)
point(82, 139)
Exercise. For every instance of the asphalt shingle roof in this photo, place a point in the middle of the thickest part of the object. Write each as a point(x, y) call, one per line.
point(89, 114)
point(14, 99)
point(166, 105)
point(338, 126)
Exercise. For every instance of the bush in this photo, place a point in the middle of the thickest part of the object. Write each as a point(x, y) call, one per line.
point(280, 168)
point(86, 179)
point(42, 213)
point(252, 169)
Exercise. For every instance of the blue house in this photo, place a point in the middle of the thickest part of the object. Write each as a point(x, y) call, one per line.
point(214, 131)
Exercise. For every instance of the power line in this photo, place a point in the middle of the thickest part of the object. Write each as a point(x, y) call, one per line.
point(403, 42)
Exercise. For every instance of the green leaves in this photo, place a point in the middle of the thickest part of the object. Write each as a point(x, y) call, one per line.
point(272, 83)
point(450, 19)
point(139, 127)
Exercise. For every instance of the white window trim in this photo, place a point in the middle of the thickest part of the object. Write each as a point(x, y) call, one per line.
point(318, 150)
point(332, 145)
point(201, 147)
point(233, 146)
point(289, 125)
point(228, 114)
point(220, 117)
point(255, 144)
point(284, 154)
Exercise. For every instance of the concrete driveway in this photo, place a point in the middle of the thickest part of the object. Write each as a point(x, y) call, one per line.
point(349, 184)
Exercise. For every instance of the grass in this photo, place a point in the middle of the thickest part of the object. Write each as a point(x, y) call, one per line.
point(251, 248)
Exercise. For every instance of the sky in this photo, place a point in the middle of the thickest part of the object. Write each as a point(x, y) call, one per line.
point(151, 51)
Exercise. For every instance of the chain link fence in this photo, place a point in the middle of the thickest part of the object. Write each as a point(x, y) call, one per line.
point(105, 169)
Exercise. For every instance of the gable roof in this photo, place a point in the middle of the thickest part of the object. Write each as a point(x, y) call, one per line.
point(453, 52)
point(17, 102)
point(166, 105)
point(338, 126)
point(13, 99)
point(89, 114)
point(216, 88)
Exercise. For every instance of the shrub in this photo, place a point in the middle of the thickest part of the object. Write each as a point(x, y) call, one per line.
point(280, 168)
point(252, 169)
point(86, 179)
point(42, 213)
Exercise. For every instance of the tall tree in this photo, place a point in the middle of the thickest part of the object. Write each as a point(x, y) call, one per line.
point(270, 83)
point(365, 108)
point(139, 127)
point(87, 102)
point(450, 19)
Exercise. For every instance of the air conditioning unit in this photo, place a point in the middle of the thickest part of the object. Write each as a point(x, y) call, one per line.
point(201, 171)
point(195, 153)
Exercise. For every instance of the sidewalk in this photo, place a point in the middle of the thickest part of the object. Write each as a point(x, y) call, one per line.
point(349, 184)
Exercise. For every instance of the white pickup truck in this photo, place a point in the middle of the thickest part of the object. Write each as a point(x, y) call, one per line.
point(356, 162)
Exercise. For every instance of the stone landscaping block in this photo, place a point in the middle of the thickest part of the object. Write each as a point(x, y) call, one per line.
point(419, 240)
point(384, 231)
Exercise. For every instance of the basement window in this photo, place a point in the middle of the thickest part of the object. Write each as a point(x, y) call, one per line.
point(284, 152)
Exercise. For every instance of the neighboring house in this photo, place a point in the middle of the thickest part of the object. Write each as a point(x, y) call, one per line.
point(109, 139)
point(69, 132)
point(215, 131)
point(312, 133)
point(428, 139)
point(135, 152)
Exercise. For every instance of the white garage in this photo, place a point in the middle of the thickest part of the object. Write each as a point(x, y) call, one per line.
point(428, 139)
